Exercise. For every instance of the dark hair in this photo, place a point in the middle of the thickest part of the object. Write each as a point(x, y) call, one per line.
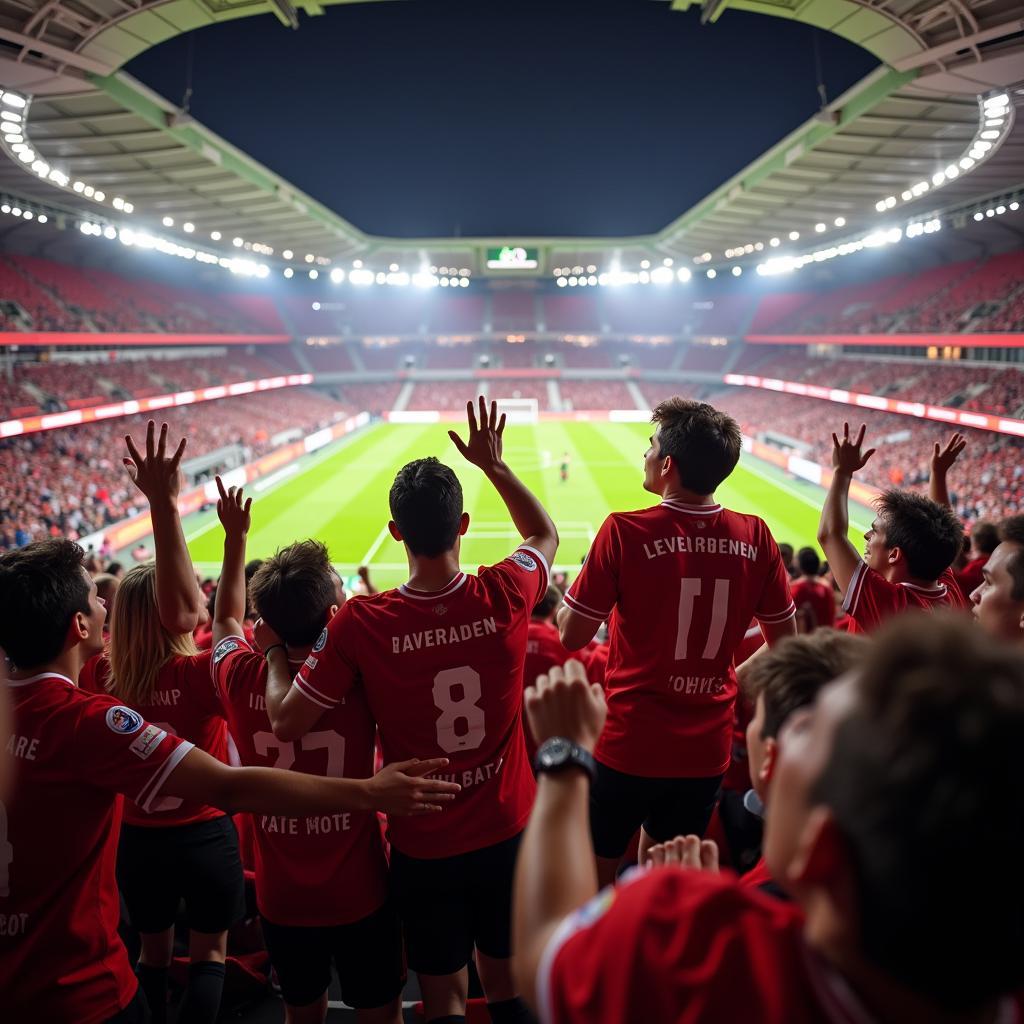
point(985, 537)
point(786, 550)
point(928, 534)
point(548, 603)
point(1011, 530)
point(703, 442)
point(426, 505)
point(42, 586)
point(809, 562)
point(923, 774)
point(114, 568)
point(790, 675)
point(294, 590)
point(251, 566)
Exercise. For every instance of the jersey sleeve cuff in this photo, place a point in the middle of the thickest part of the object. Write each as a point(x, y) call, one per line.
point(565, 930)
point(540, 559)
point(585, 610)
point(776, 617)
point(311, 693)
point(151, 790)
point(853, 590)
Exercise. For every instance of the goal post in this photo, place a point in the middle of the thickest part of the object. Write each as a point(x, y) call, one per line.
point(518, 410)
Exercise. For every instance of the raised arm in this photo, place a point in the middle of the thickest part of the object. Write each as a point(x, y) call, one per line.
point(483, 448)
point(942, 460)
point(229, 606)
point(291, 713)
point(555, 870)
point(834, 527)
point(179, 599)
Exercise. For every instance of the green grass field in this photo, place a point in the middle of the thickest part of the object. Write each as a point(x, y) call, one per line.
point(341, 495)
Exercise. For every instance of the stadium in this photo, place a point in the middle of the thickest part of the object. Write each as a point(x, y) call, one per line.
point(867, 267)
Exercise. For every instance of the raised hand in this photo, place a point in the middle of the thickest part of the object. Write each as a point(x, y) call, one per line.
point(483, 447)
point(943, 458)
point(565, 703)
point(233, 511)
point(847, 456)
point(156, 475)
point(403, 788)
point(690, 852)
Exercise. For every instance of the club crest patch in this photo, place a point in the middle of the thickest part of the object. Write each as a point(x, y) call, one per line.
point(321, 642)
point(123, 720)
point(224, 648)
point(521, 558)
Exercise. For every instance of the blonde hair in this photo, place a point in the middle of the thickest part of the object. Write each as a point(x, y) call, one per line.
point(140, 646)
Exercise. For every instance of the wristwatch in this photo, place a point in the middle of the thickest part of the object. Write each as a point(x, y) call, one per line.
point(558, 753)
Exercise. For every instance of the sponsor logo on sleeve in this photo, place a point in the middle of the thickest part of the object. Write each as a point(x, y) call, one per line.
point(147, 741)
point(123, 720)
point(224, 648)
point(522, 559)
point(321, 642)
point(311, 663)
point(594, 909)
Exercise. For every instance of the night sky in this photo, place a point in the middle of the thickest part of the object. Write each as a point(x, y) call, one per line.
point(470, 117)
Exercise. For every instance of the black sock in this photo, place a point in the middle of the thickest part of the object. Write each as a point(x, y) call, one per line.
point(153, 982)
point(202, 997)
point(454, 1018)
point(510, 1011)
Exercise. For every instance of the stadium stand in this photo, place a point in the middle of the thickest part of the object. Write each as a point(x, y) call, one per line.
point(71, 482)
point(513, 311)
point(595, 394)
point(520, 387)
point(442, 395)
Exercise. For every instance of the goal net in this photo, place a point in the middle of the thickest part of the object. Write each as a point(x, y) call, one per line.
point(519, 410)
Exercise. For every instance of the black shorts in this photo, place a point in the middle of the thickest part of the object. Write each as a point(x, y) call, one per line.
point(620, 804)
point(200, 863)
point(367, 955)
point(448, 905)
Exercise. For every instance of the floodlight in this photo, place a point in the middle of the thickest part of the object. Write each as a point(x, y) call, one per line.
point(168, 222)
point(314, 274)
point(337, 275)
point(736, 271)
point(288, 271)
point(819, 227)
point(794, 235)
point(712, 273)
point(215, 236)
point(188, 227)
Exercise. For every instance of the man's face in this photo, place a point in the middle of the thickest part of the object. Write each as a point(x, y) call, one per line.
point(876, 551)
point(804, 748)
point(992, 603)
point(755, 747)
point(97, 615)
point(652, 464)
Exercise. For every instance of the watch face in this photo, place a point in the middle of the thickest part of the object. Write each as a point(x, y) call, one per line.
point(554, 752)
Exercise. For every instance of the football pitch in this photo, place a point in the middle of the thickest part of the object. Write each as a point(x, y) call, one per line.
point(340, 495)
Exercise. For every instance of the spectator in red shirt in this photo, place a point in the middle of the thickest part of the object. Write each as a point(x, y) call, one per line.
point(779, 683)
point(984, 540)
point(998, 602)
point(910, 546)
point(815, 605)
point(879, 794)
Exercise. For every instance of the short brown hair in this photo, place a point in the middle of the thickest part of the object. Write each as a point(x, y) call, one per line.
point(293, 591)
point(790, 675)
point(985, 536)
point(1012, 531)
point(704, 443)
point(925, 771)
point(929, 534)
point(548, 603)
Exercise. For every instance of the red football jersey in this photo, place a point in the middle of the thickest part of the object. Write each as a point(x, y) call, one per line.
point(74, 752)
point(701, 948)
point(817, 595)
point(544, 650)
point(314, 870)
point(443, 673)
point(871, 599)
point(970, 577)
point(596, 662)
point(678, 585)
point(185, 704)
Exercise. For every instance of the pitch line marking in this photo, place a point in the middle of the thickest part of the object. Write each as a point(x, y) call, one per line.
point(375, 546)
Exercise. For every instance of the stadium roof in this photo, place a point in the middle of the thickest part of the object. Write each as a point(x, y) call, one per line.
point(848, 171)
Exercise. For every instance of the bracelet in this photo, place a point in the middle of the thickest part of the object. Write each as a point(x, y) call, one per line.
point(273, 647)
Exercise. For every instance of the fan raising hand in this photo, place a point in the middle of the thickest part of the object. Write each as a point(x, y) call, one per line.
point(847, 456)
point(483, 448)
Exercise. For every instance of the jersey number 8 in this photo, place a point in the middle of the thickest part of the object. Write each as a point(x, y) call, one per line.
point(464, 711)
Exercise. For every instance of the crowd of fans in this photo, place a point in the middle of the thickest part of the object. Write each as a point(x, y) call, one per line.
point(67, 482)
point(769, 837)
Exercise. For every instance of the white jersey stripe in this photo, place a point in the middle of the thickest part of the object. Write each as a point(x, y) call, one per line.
point(853, 590)
point(578, 609)
point(304, 688)
point(151, 790)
